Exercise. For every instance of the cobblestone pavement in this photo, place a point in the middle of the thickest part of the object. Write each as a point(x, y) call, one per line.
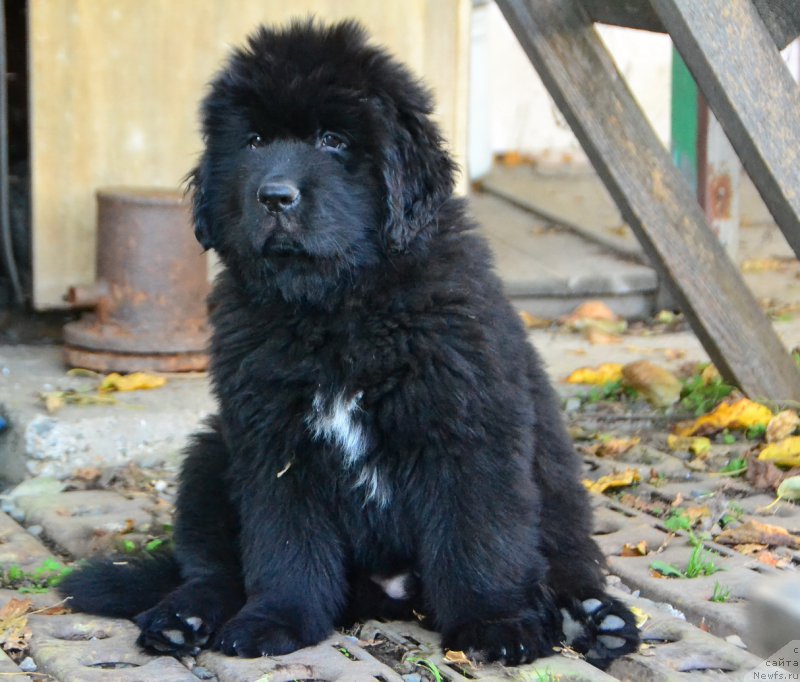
point(687, 636)
point(105, 506)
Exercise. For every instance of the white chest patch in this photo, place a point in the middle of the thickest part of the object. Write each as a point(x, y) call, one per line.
point(335, 422)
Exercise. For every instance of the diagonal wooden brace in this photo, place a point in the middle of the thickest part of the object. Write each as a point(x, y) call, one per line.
point(580, 75)
point(737, 66)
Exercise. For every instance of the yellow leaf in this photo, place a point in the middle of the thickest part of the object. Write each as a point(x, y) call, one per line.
point(741, 414)
point(532, 321)
point(602, 374)
point(659, 386)
point(698, 445)
point(598, 337)
point(458, 657)
point(591, 310)
point(786, 452)
point(639, 549)
point(617, 480)
point(612, 447)
point(640, 616)
point(131, 382)
point(765, 264)
point(782, 425)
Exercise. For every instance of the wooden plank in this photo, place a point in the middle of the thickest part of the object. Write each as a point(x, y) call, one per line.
point(734, 61)
point(115, 87)
point(781, 17)
point(582, 78)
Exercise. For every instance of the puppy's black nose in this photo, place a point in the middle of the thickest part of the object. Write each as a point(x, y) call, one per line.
point(278, 196)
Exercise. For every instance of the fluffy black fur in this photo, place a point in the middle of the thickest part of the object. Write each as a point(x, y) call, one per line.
point(381, 412)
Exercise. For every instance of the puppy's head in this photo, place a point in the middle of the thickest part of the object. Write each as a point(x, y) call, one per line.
point(320, 160)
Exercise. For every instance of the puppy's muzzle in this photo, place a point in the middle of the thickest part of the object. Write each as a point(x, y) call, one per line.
point(278, 196)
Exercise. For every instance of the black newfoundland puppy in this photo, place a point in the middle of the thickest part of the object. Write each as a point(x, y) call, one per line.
point(387, 439)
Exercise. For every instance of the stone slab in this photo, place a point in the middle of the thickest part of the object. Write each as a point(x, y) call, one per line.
point(82, 648)
point(338, 659)
point(18, 547)
point(78, 521)
point(137, 428)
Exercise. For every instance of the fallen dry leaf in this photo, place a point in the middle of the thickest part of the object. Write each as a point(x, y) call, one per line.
point(602, 374)
point(611, 447)
point(697, 445)
point(763, 475)
point(532, 321)
point(591, 310)
point(740, 414)
point(697, 513)
point(754, 532)
point(617, 480)
point(639, 549)
point(785, 452)
point(55, 400)
point(750, 548)
point(660, 387)
point(458, 657)
point(599, 337)
point(14, 631)
point(772, 559)
point(130, 382)
point(765, 264)
point(640, 616)
point(782, 425)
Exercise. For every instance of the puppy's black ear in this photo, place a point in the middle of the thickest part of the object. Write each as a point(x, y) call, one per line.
point(196, 185)
point(418, 173)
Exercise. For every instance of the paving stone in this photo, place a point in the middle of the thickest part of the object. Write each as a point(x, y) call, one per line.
point(675, 649)
point(82, 648)
point(409, 637)
point(338, 659)
point(78, 521)
point(18, 547)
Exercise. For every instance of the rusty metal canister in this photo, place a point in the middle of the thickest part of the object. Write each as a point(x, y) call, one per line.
point(148, 303)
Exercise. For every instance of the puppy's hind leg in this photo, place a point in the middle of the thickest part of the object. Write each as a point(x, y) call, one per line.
point(206, 549)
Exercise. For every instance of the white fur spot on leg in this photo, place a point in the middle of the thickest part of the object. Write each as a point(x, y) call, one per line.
point(612, 622)
point(394, 586)
point(335, 424)
point(591, 605)
point(571, 628)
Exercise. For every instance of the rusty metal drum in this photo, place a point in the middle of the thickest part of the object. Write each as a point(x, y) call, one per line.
point(148, 303)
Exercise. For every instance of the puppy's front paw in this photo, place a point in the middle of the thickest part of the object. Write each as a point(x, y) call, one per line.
point(511, 641)
point(184, 621)
point(250, 636)
point(600, 627)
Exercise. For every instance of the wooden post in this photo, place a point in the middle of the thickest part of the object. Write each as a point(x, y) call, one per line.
point(574, 65)
point(729, 51)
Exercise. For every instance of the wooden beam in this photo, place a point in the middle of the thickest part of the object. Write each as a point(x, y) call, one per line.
point(734, 61)
point(581, 76)
point(781, 17)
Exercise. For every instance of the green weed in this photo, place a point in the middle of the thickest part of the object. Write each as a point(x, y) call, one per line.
point(48, 574)
point(428, 665)
point(721, 594)
point(701, 396)
point(700, 564)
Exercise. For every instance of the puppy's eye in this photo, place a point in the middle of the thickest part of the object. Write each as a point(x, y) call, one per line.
point(332, 141)
point(255, 141)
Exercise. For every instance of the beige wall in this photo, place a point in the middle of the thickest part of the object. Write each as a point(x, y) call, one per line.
point(115, 86)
